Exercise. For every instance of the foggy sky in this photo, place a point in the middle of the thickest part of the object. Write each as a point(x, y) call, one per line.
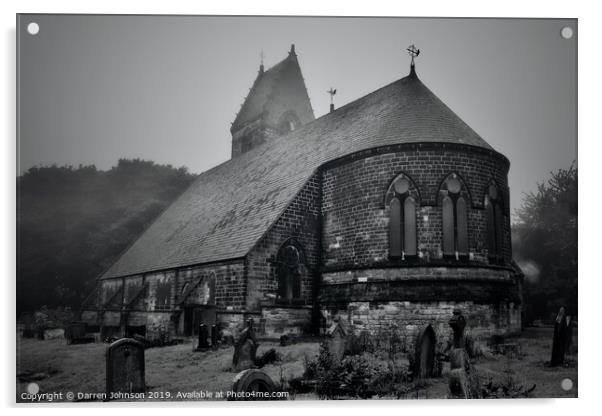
point(94, 89)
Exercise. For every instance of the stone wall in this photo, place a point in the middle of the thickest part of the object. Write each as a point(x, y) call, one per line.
point(300, 221)
point(407, 319)
point(276, 321)
point(355, 217)
point(229, 281)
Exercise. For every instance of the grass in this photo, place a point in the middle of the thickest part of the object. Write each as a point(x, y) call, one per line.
point(58, 367)
point(81, 368)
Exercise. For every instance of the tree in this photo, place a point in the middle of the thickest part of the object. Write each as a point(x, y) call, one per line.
point(545, 245)
point(72, 223)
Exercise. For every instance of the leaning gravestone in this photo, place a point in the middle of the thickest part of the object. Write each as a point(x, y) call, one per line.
point(245, 348)
point(249, 382)
point(125, 367)
point(337, 340)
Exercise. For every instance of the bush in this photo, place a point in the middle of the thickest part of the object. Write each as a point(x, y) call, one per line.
point(360, 375)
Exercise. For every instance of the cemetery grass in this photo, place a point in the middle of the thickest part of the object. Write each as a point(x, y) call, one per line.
point(57, 367)
point(532, 365)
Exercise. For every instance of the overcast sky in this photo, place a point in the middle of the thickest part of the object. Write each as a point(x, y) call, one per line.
point(94, 89)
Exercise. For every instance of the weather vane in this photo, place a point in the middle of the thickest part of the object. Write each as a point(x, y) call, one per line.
point(332, 92)
point(413, 52)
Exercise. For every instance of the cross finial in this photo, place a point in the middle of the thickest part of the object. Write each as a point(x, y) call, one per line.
point(413, 52)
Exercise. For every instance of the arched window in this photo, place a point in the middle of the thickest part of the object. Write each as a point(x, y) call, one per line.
point(289, 271)
point(495, 232)
point(288, 122)
point(402, 218)
point(454, 218)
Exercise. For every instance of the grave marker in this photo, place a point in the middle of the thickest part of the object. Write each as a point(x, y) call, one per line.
point(245, 349)
point(337, 340)
point(204, 342)
point(125, 367)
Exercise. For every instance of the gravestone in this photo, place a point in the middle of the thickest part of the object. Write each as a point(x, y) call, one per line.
point(284, 340)
point(458, 323)
point(214, 336)
point(125, 367)
point(204, 342)
point(559, 342)
point(463, 378)
point(337, 340)
point(568, 342)
point(245, 348)
point(75, 333)
point(252, 381)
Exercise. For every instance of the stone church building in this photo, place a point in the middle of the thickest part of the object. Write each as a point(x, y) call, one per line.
point(389, 211)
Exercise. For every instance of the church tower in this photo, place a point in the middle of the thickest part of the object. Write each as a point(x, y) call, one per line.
point(277, 104)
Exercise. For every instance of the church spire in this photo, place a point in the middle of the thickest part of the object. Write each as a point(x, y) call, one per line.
point(276, 104)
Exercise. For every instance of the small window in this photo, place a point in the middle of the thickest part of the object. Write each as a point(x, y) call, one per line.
point(288, 122)
point(163, 295)
point(289, 260)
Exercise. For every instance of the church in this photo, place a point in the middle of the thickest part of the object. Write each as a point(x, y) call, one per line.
point(389, 211)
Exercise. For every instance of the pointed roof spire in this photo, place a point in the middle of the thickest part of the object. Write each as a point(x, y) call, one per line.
point(292, 51)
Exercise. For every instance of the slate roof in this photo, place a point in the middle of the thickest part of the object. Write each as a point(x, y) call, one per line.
point(230, 207)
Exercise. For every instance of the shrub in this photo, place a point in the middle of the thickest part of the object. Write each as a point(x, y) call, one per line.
point(360, 375)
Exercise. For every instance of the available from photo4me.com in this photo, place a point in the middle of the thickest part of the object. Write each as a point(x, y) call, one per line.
point(295, 208)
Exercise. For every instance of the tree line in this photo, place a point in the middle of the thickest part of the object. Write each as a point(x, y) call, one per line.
point(544, 240)
point(73, 222)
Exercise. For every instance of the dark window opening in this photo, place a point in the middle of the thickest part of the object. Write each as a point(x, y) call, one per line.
point(163, 296)
point(288, 123)
point(289, 273)
point(455, 220)
point(495, 232)
point(402, 221)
